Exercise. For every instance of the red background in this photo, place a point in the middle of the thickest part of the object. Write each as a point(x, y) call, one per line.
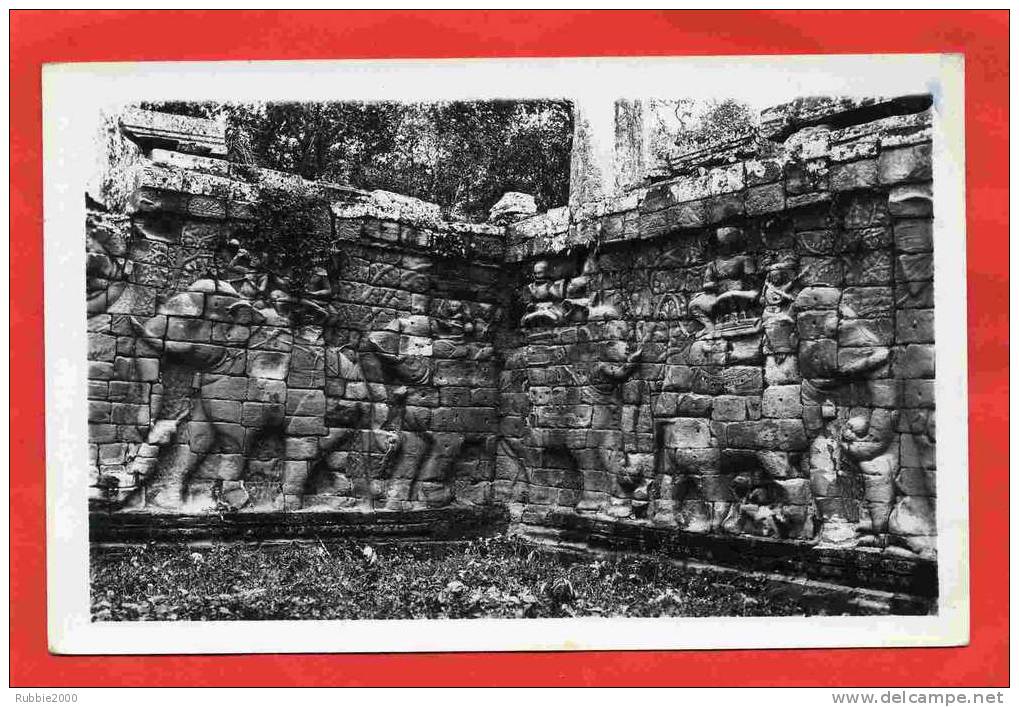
point(55, 36)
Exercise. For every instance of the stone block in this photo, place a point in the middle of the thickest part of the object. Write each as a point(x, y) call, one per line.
point(99, 323)
point(824, 271)
point(864, 210)
point(914, 326)
point(818, 298)
point(781, 369)
point(135, 299)
point(804, 177)
point(869, 268)
point(224, 387)
point(818, 359)
point(781, 401)
point(905, 164)
point(298, 448)
point(882, 393)
point(914, 235)
point(224, 410)
point(98, 411)
point(917, 450)
point(914, 267)
point(694, 405)
point(866, 332)
point(129, 414)
point(769, 198)
point(306, 402)
point(724, 207)
point(687, 433)
point(914, 361)
point(228, 333)
point(742, 380)
point(100, 370)
point(99, 433)
point(101, 347)
point(729, 408)
point(914, 295)
point(136, 369)
point(689, 214)
point(911, 200)
point(918, 394)
point(776, 434)
point(817, 324)
point(866, 302)
point(199, 136)
point(847, 176)
point(188, 329)
point(268, 364)
point(306, 426)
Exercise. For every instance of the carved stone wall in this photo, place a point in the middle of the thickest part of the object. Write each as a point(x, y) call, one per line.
point(214, 387)
point(745, 348)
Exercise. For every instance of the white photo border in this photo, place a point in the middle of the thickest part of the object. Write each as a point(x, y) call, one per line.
point(74, 95)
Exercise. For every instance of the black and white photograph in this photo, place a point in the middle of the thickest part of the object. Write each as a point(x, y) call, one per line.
point(490, 354)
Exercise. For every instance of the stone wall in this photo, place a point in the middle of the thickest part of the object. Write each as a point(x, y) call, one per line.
point(213, 388)
point(746, 348)
point(742, 349)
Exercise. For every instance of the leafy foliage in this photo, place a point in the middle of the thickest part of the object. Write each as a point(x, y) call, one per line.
point(461, 155)
point(292, 229)
point(713, 121)
point(496, 577)
point(688, 124)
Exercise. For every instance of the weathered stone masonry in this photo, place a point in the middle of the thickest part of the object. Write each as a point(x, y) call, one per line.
point(741, 349)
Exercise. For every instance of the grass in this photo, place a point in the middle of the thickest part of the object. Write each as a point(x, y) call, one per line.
point(492, 577)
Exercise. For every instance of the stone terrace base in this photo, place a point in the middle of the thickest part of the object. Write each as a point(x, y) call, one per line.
point(423, 525)
point(912, 577)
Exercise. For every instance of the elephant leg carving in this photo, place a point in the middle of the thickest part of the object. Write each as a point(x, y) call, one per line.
point(432, 482)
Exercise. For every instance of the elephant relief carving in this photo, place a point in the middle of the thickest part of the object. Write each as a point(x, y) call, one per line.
point(224, 370)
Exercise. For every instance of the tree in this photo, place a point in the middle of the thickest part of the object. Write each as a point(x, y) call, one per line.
point(461, 155)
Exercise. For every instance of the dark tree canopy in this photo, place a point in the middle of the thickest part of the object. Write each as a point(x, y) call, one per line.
point(461, 155)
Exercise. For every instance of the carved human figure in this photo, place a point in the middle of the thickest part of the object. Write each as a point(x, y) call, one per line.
point(457, 325)
point(831, 476)
point(758, 510)
point(728, 287)
point(578, 298)
point(239, 271)
point(189, 367)
point(912, 526)
point(776, 319)
point(414, 453)
point(830, 488)
point(629, 469)
point(870, 440)
point(546, 297)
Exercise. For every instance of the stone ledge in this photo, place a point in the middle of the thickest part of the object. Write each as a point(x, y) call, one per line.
point(854, 568)
point(439, 524)
point(781, 121)
point(203, 187)
point(198, 136)
point(870, 144)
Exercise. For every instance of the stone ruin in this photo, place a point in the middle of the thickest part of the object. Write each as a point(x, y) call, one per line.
point(734, 357)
